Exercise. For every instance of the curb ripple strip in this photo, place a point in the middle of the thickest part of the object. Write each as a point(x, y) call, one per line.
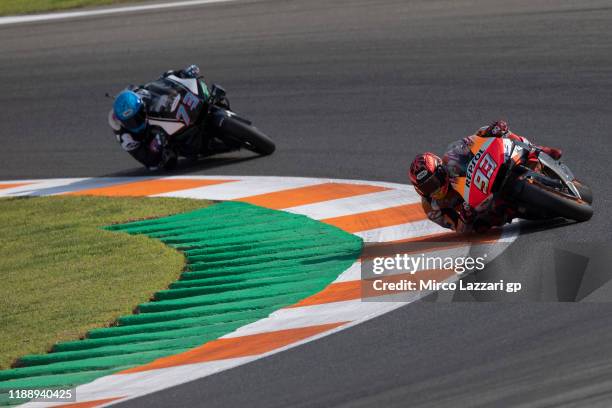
point(380, 213)
point(243, 263)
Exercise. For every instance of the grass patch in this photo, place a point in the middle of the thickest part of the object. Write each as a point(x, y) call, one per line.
point(62, 274)
point(12, 7)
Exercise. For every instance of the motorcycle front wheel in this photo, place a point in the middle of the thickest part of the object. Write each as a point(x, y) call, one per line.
point(247, 136)
point(553, 202)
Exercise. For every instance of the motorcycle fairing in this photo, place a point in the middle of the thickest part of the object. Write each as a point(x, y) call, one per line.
point(172, 105)
point(563, 172)
point(170, 127)
point(189, 83)
point(489, 155)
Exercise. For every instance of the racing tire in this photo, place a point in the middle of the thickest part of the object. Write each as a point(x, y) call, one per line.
point(585, 191)
point(552, 201)
point(247, 136)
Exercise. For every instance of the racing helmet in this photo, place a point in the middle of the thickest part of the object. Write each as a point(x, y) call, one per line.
point(429, 176)
point(130, 110)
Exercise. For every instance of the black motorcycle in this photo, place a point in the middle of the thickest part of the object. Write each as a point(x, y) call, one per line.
point(196, 122)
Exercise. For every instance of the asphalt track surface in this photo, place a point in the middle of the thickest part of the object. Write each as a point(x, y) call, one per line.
point(354, 89)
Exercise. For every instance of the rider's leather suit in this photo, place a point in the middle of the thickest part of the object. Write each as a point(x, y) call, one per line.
point(150, 147)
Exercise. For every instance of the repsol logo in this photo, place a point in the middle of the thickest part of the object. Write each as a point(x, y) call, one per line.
point(470, 168)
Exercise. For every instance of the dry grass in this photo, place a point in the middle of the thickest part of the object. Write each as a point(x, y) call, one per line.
point(61, 274)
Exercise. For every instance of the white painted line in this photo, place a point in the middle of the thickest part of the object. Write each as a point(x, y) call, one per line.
point(395, 186)
point(100, 12)
point(295, 318)
point(36, 187)
point(142, 383)
point(240, 188)
point(402, 231)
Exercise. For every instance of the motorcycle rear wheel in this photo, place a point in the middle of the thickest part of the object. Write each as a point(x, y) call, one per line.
point(553, 201)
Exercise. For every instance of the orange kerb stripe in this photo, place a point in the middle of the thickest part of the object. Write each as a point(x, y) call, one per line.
point(89, 404)
point(310, 194)
point(148, 187)
point(335, 292)
point(11, 185)
point(357, 289)
point(234, 347)
point(447, 237)
point(380, 218)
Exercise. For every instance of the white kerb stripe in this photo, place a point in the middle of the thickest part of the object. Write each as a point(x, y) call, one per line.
point(241, 188)
point(402, 231)
point(105, 11)
point(357, 204)
point(298, 317)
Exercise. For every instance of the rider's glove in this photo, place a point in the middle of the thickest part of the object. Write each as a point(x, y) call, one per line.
point(552, 152)
point(466, 213)
point(127, 142)
point(532, 158)
point(192, 71)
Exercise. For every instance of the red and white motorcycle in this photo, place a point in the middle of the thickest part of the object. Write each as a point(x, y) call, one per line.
point(498, 169)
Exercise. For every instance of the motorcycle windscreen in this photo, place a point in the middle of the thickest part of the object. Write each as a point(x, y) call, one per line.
point(163, 98)
point(482, 170)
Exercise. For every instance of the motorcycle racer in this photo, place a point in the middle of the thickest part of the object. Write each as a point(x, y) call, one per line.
point(432, 178)
point(149, 144)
